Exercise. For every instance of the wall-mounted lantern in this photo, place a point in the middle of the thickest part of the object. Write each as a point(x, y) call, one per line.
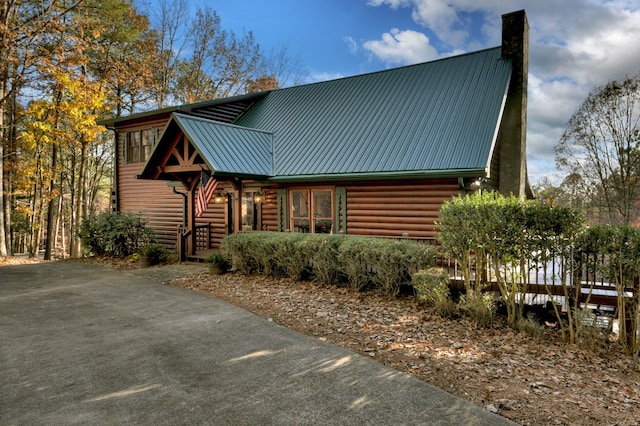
point(480, 184)
point(220, 198)
point(258, 197)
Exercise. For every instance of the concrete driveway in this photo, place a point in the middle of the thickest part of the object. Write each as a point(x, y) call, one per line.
point(84, 344)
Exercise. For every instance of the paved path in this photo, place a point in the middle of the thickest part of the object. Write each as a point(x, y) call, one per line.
point(84, 344)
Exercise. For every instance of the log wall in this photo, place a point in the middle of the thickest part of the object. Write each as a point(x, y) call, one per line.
point(395, 209)
point(391, 208)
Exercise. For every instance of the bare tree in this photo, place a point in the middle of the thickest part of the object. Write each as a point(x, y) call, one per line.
point(602, 145)
point(287, 70)
point(220, 64)
point(170, 41)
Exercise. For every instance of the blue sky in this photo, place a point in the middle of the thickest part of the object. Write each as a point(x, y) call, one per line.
point(575, 45)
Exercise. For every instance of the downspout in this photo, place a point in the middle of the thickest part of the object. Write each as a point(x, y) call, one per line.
point(116, 207)
point(463, 189)
point(184, 205)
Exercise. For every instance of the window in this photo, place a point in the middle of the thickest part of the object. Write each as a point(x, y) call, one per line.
point(248, 212)
point(311, 211)
point(149, 138)
point(139, 144)
point(133, 147)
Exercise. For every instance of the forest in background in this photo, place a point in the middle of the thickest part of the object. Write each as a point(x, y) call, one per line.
point(66, 64)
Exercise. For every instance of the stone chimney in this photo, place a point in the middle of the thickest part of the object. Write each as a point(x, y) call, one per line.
point(512, 137)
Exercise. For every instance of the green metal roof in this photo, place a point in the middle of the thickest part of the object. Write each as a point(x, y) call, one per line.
point(227, 149)
point(436, 119)
point(433, 117)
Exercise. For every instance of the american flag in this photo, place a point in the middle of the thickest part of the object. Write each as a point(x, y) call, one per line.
point(208, 187)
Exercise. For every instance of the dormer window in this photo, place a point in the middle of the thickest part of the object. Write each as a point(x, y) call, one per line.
point(137, 145)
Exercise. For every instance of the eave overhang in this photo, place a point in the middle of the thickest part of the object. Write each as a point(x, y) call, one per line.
point(394, 175)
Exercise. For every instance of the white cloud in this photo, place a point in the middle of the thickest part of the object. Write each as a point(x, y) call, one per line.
point(315, 77)
point(352, 45)
point(575, 45)
point(402, 47)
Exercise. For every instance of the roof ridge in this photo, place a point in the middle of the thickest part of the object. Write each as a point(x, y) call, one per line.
point(181, 114)
point(446, 58)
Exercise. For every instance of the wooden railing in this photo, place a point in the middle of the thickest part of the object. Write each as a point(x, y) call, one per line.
point(595, 288)
point(202, 240)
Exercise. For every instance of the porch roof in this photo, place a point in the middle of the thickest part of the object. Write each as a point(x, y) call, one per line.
point(227, 150)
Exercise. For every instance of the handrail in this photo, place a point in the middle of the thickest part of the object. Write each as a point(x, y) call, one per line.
point(202, 239)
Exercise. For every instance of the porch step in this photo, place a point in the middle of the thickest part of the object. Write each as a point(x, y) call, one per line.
point(200, 256)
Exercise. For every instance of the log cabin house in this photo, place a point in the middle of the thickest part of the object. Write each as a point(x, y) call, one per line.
point(372, 154)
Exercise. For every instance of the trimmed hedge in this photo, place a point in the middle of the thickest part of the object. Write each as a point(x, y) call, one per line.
point(360, 262)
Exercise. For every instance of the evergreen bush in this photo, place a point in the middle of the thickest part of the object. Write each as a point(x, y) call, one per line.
point(115, 234)
point(155, 253)
point(380, 263)
point(395, 261)
point(355, 261)
point(432, 287)
point(499, 238)
point(322, 252)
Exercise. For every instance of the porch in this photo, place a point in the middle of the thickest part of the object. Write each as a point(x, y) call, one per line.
point(196, 247)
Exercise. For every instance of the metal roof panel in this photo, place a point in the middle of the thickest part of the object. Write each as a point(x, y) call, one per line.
point(228, 148)
point(439, 115)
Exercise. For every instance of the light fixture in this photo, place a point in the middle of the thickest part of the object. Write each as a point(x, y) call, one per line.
point(479, 184)
point(258, 197)
point(220, 198)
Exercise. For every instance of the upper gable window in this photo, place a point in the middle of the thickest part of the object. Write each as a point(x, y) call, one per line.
point(138, 144)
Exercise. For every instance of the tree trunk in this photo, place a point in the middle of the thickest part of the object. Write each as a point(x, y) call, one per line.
point(80, 208)
point(3, 235)
point(4, 76)
point(51, 206)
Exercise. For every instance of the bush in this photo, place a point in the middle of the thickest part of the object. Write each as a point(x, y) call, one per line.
point(384, 264)
point(531, 326)
point(432, 288)
point(322, 252)
point(395, 261)
point(242, 248)
point(273, 254)
point(155, 253)
point(294, 261)
point(218, 258)
point(503, 233)
point(478, 306)
point(218, 263)
point(353, 256)
point(114, 234)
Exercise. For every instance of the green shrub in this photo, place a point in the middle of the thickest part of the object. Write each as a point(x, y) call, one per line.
point(353, 256)
point(385, 264)
point(531, 326)
point(218, 258)
point(155, 253)
point(478, 306)
point(322, 252)
point(267, 256)
point(432, 287)
point(294, 261)
point(504, 234)
point(395, 261)
point(242, 249)
point(114, 234)
point(619, 247)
